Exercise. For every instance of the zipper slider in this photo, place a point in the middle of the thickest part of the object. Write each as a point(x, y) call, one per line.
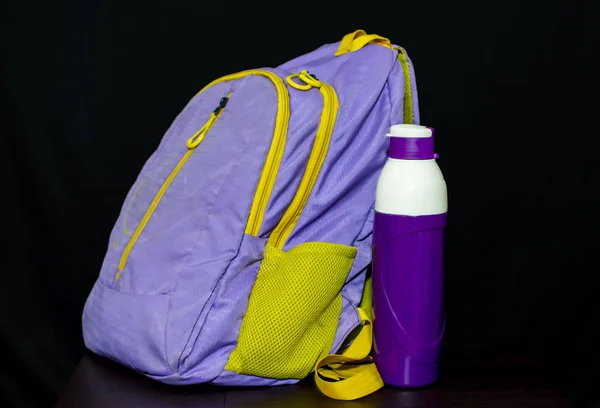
point(195, 140)
point(222, 104)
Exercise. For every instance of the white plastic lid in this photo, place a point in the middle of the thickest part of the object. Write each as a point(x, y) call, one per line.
point(406, 130)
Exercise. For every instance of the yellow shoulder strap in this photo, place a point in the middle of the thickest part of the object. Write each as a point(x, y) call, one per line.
point(352, 374)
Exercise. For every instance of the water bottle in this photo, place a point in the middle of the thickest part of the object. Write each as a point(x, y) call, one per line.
point(410, 217)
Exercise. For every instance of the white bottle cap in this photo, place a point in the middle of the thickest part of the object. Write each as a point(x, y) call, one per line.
point(411, 142)
point(406, 130)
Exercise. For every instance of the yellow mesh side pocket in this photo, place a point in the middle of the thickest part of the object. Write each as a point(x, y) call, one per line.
point(293, 311)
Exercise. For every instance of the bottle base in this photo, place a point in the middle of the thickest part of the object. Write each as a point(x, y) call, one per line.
point(404, 372)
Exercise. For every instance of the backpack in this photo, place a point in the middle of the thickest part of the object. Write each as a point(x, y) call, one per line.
point(241, 252)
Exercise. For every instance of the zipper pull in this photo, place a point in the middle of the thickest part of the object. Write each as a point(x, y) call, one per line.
point(195, 140)
point(310, 81)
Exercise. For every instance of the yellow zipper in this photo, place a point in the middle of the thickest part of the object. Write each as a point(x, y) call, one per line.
point(269, 172)
point(321, 144)
point(192, 144)
point(271, 166)
point(317, 157)
point(359, 39)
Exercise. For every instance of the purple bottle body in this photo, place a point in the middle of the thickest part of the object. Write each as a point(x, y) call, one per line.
point(408, 242)
point(408, 297)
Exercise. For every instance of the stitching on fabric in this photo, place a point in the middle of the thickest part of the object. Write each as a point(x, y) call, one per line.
point(225, 178)
point(353, 326)
point(179, 361)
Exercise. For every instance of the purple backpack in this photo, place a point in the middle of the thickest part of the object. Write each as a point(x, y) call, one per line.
point(241, 252)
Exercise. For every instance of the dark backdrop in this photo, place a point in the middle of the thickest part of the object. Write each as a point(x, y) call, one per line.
point(89, 87)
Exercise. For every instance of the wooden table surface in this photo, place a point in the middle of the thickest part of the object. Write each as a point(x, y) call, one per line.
point(467, 380)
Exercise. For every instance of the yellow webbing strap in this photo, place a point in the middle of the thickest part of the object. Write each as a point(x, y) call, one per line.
point(352, 374)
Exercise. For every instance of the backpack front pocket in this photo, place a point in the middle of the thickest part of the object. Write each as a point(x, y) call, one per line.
point(192, 144)
point(293, 310)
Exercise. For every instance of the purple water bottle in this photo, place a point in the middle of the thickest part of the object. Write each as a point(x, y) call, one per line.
point(410, 217)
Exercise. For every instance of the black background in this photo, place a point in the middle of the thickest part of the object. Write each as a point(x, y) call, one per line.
point(89, 87)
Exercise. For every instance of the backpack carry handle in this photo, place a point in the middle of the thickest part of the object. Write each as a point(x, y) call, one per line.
point(359, 39)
